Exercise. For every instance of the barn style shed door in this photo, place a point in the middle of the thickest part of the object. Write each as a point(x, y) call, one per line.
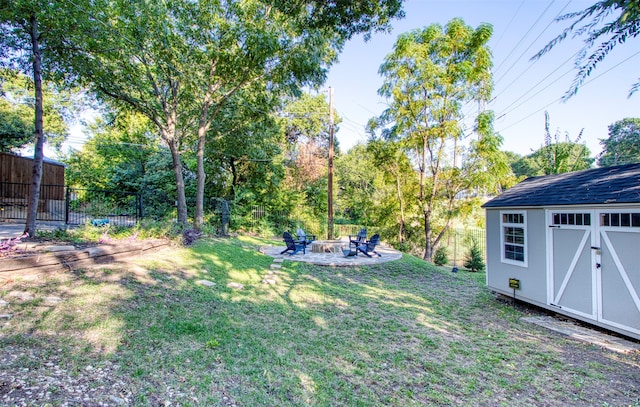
point(572, 277)
point(594, 265)
point(619, 271)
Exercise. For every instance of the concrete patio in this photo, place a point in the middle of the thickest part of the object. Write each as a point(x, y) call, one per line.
point(334, 259)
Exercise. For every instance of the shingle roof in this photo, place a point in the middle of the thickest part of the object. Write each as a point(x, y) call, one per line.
point(620, 184)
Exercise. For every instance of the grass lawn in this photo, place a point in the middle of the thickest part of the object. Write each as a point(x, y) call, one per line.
point(396, 334)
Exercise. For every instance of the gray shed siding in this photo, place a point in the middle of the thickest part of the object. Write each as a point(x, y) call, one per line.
point(582, 242)
point(533, 278)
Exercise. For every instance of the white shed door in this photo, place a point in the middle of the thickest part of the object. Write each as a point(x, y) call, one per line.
point(619, 272)
point(594, 265)
point(572, 276)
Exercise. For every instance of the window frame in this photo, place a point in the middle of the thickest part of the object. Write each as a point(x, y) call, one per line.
point(503, 243)
point(615, 219)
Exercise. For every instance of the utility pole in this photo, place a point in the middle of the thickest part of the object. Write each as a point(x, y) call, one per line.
point(330, 180)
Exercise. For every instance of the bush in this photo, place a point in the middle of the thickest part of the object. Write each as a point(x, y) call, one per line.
point(473, 261)
point(441, 256)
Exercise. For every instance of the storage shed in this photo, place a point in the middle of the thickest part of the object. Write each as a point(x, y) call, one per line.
point(15, 181)
point(571, 243)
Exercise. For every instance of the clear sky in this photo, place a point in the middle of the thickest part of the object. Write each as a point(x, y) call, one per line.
point(523, 89)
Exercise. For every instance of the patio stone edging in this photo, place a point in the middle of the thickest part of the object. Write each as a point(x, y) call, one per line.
point(334, 259)
point(38, 264)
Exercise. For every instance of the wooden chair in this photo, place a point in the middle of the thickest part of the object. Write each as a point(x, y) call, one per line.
point(304, 238)
point(369, 246)
point(292, 245)
point(354, 241)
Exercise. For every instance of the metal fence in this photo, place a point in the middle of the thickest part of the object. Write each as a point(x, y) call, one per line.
point(73, 206)
point(459, 241)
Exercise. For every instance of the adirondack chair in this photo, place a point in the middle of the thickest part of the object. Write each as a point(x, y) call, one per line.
point(369, 246)
point(304, 238)
point(292, 245)
point(354, 241)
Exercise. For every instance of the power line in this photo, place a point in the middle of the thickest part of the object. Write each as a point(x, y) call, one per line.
point(583, 85)
point(524, 36)
point(509, 25)
point(539, 82)
point(531, 44)
point(505, 111)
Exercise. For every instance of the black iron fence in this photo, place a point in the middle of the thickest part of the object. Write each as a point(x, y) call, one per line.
point(76, 206)
point(73, 206)
point(102, 207)
point(459, 241)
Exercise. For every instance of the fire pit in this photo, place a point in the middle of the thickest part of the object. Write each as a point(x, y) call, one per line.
point(328, 246)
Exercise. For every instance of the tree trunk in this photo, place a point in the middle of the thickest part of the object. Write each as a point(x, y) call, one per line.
point(38, 156)
point(428, 246)
point(199, 217)
point(177, 169)
point(234, 174)
point(403, 227)
point(202, 131)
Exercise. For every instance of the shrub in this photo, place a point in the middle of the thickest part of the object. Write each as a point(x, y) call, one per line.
point(441, 256)
point(473, 261)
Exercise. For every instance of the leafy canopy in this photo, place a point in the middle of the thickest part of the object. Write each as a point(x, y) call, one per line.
point(17, 111)
point(602, 26)
point(623, 144)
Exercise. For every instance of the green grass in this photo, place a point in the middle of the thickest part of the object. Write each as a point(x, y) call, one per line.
point(399, 334)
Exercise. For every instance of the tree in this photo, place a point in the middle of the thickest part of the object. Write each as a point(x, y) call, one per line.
point(607, 22)
point(17, 105)
point(123, 153)
point(623, 144)
point(243, 156)
point(306, 122)
point(356, 180)
point(115, 155)
point(16, 126)
point(473, 261)
point(177, 61)
point(556, 156)
point(428, 77)
point(390, 158)
point(32, 34)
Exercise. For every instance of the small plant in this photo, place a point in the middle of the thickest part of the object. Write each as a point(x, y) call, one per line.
point(474, 261)
point(10, 245)
point(212, 344)
point(190, 236)
point(105, 237)
point(441, 256)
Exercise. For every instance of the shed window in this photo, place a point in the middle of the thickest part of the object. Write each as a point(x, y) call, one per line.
point(580, 219)
point(514, 231)
point(617, 219)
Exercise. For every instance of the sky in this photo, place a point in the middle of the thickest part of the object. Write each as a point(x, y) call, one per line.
point(523, 90)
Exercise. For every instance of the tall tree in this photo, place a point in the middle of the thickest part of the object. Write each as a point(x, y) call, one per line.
point(603, 25)
point(243, 157)
point(389, 157)
point(306, 125)
point(488, 166)
point(430, 74)
point(179, 62)
point(556, 156)
point(32, 36)
point(623, 144)
point(116, 153)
